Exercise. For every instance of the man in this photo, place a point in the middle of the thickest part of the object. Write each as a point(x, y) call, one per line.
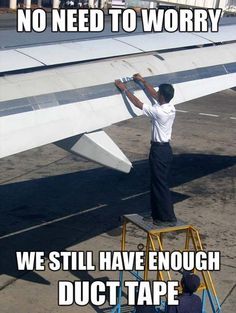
point(162, 115)
point(188, 301)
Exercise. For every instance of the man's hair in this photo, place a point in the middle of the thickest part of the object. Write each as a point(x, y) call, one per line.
point(167, 91)
point(190, 282)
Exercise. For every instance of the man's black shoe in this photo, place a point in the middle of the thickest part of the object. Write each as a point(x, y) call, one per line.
point(170, 223)
point(148, 218)
point(157, 222)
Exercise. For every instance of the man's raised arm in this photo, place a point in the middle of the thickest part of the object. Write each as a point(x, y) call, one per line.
point(149, 88)
point(130, 96)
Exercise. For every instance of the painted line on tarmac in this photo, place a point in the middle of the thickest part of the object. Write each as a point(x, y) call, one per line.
point(181, 111)
point(228, 295)
point(205, 114)
point(53, 221)
point(208, 114)
point(33, 170)
point(136, 195)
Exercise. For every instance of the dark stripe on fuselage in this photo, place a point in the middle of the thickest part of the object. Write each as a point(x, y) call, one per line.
point(105, 90)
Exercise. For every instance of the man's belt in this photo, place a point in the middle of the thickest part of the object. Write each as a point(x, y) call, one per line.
point(156, 143)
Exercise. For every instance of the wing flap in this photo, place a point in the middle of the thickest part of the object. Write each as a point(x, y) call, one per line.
point(65, 53)
point(225, 34)
point(12, 60)
point(78, 51)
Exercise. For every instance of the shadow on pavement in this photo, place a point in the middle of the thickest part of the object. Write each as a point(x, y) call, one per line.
point(25, 205)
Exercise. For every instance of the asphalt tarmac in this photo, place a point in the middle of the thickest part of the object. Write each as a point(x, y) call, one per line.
point(52, 200)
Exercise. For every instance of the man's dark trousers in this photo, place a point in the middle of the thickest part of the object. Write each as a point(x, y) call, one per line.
point(160, 159)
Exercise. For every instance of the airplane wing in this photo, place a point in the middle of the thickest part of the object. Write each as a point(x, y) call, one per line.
point(65, 93)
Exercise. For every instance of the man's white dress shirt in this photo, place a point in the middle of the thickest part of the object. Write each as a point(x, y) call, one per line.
point(162, 117)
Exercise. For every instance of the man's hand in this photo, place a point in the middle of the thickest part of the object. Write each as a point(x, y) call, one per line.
point(148, 87)
point(120, 85)
point(128, 94)
point(138, 77)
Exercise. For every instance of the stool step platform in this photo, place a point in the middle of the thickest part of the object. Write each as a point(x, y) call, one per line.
point(147, 226)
